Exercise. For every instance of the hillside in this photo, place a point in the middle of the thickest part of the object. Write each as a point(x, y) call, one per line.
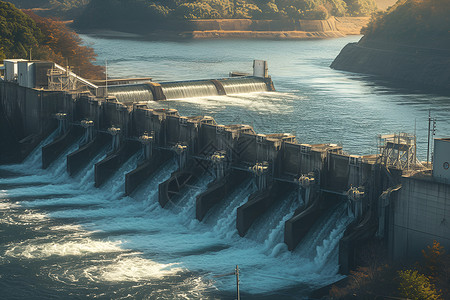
point(409, 43)
point(413, 22)
point(62, 9)
point(384, 4)
point(24, 33)
point(18, 33)
point(146, 15)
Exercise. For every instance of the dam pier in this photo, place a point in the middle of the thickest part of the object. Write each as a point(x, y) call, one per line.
point(116, 119)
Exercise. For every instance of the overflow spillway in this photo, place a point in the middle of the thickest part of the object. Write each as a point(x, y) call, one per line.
point(131, 93)
point(189, 89)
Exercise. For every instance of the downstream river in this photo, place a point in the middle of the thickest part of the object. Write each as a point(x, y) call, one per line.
point(61, 238)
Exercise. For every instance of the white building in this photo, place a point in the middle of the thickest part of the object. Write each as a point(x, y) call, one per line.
point(11, 68)
point(441, 160)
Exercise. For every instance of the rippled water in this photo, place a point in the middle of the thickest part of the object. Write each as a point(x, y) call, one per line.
point(318, 104)
point(62, 238)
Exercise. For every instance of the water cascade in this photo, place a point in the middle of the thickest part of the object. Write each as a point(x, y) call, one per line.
point(131, 239)
point(189, 89)
point(131, 93)
point(243, 85)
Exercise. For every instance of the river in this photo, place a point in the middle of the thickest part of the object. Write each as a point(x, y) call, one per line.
point(62, 238)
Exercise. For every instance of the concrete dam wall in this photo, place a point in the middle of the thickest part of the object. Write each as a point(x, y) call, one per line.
point(263, 25)
point(319, 176)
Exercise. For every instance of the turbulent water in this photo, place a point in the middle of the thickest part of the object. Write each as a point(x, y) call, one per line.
point(63, 238)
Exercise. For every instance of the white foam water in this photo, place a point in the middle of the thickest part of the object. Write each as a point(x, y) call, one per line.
point(168, 245)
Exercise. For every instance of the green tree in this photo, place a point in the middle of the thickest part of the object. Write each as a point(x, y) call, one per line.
point(413, 21)
point(357, 8)
point(196, 10)
point(416, 286)
point(18, 33)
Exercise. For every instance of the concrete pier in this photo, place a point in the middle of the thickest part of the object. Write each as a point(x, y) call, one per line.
point(217, 191)
point(304, 218)
point(53, 150)
point(145, 170)
point(356, 235)
point(258, 203)
point(110, 164)
point(81, 157)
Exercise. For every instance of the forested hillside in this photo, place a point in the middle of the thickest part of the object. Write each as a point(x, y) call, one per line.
point(24, 33)
point(257, 9)
point(408, 43)
point(413, 21)
point(62, 9)
point(207, 9)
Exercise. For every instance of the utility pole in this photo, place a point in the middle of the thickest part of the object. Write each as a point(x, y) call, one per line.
point(237, 283)
point(106, 78)
point(429, 130)
point(236, 272)
point(433, 133)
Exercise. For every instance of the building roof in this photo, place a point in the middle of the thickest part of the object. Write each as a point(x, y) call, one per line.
point(444, 139)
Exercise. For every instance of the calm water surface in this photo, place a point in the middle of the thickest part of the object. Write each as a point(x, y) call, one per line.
point(62, 238)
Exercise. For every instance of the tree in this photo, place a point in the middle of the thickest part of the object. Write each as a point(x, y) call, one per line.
point(61, 44)
point(18, 33)
point(416, 286)
point(357, 8)
point(434, 256)
point(414, 22)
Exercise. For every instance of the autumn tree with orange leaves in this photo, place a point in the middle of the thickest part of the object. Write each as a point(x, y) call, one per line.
point(64, 47)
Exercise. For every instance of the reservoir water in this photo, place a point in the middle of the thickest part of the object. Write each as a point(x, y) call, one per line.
point(62, 238)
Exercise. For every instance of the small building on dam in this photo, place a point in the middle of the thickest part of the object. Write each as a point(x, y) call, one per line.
point(392, 197)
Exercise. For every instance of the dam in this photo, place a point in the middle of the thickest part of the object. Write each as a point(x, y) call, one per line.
point(219, 158)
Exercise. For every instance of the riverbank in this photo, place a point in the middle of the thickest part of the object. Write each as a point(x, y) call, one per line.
point(401, 49)
point(428, 67)
point(245, 29)
point(270, 35)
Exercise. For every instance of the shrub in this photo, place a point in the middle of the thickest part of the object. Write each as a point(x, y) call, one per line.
point(416, 286)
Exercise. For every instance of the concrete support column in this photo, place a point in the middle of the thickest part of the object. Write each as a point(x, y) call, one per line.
point(88, 125)
point(181, 151)
point(115, 133)
point(384, 201)
point(147, 140)
point(356, 202)
point(306, 182)
point(218, 159)
point(63, 123)
point(260, 171)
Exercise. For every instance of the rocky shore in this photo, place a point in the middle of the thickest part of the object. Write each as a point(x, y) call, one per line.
point(423, 66)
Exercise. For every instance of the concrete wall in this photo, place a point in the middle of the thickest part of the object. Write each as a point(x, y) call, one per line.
point(117, 115)
point(419, 214)
point(31, 111)
point(298, 159)
point(263, 25)
point(28, 115)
